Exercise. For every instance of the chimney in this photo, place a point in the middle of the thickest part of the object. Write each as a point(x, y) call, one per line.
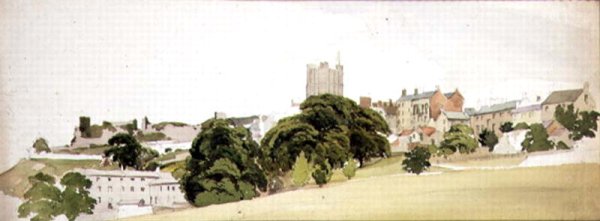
point(437, 87)
point(404, 92)
point(365, 102)
point(538, 98)
point(416, 91)
point(586, 86)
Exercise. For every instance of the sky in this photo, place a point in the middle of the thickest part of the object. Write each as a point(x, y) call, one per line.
point(184, 60)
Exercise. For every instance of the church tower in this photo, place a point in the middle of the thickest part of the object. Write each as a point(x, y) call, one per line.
point(321, 79)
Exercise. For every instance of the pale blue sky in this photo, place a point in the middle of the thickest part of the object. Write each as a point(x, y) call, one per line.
point(183, 60)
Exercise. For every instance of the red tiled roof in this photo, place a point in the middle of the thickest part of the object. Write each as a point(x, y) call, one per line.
point(406, 132)
point(428, 131)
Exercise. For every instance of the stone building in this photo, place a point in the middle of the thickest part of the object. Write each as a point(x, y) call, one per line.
point(491, 117)
point(580, 98)
point(322, 80)
point(421, 109)
point(529, 114)
point(122, 192)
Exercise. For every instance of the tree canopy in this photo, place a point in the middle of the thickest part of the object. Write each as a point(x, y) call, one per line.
point(536, 139)
point(579, 123)
point(223, 165)
point(506, 127)
point(129, 153)
point(47, 201)
point(459, 138)
point(417, 160)
point(40, 145)
point(488, 138)
point(328, 130)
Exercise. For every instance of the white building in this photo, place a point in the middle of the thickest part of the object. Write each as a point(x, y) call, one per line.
point(122, 193)
point(162, 145)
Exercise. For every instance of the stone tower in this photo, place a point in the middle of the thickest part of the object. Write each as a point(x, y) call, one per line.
point(321, 79)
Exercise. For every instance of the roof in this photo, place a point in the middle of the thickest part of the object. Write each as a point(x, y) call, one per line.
point(470, 111)
point(557, 97)
point(427, 94)
point(456, 115)
point(527, 108)
point(448, 95)
point(428, 131)
point(122, 173)
point(406, 132)
point(497, 107)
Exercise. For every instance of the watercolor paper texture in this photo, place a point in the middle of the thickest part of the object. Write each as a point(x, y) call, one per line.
point(439, 74)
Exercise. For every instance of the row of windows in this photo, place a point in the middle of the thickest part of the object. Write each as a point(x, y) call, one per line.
point(132, 189)
point(121, 178)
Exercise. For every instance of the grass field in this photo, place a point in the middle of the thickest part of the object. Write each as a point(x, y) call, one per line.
point(561, 192)
point(14, 182)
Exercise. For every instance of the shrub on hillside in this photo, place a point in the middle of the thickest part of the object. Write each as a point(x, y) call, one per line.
point(322, 173)
point(40, 145)
point(350, 168)
point(301, 170)
point(416, 161)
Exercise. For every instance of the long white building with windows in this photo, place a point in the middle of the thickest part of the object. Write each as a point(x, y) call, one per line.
point(125, 193)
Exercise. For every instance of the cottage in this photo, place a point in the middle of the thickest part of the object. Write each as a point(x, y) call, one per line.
point(579, 98)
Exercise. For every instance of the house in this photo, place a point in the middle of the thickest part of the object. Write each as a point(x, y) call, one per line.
point(121, 193)
point(405, 140)
point(491, 117)
point(420, 109)
point(580, 98)
point(430, 135)
point(449, 118)
point(558, 133)
point(530, 114)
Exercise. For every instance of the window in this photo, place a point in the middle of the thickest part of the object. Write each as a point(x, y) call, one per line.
point(122, 188)
point(131, 189)
point(585, 99)
point(99, 199)
point(108, 178)
point(546, 108)
point(97, 178)
point(493, 127)
point(121, 178)
point(143, 178)
point(160, 188)
point(132, 179)
point(156, 199)
point(99, 189)
point(142, 189)
point(109, 189)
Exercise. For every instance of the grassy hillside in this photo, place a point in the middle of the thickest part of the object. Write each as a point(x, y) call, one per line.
point(560, 192)
point(14, 181)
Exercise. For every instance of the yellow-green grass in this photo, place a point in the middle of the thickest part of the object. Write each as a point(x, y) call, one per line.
point(559, 192)
point(14, 182)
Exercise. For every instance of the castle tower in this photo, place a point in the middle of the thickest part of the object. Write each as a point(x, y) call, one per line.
point(321, 79)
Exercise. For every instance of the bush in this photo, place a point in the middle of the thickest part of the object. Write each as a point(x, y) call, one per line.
point(562, 146)
point(521, 126)
point(488, 138)
point(40, 145)
point(301, 170)
point(322, 173)
point(506, 127)
point(350, 168)
point(537, 139)
point(162, 125)
point(108, 125)
point(151, 136)
point(459, 138)
point(168, 149)
point(417, 161)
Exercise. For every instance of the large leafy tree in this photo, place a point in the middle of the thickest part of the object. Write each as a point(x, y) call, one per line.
point(536, 139)
point(459, 138)
point(223, 165)
point(506, 127)
point(579, 123)
point(47, 201)
point(329, 130)
point(417, 160)
point(488, 138)
point(129, 153)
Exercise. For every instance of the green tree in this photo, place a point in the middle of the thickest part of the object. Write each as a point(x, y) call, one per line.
point(350, 168)
point(521, 126)
point(537, 139)
point(125, 150)
point(506, 127)
point(46, 201)
point(222, 166)
point(301, 170)
point(76, 197)
point(322, 173)
point(459, 138)
point(585, 125)
point(488, 138)
point(566, 117)
point(40, 145)
point(416, 161)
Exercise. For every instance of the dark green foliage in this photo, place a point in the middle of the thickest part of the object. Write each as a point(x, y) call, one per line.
point(566, 117)
point(168, 149)
point(46, 201)
point(537, 139)
point(40, 145)
point(84, 126)
point(109, 126)
point(128, 152)
point(488, 138)
point(322, 173)
point(330, 128)
point(458, 138)
point(416, 161)
point(222, 167)
point(586, 125)
point(506, 127)
point(562, 146)
point(521, 126)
